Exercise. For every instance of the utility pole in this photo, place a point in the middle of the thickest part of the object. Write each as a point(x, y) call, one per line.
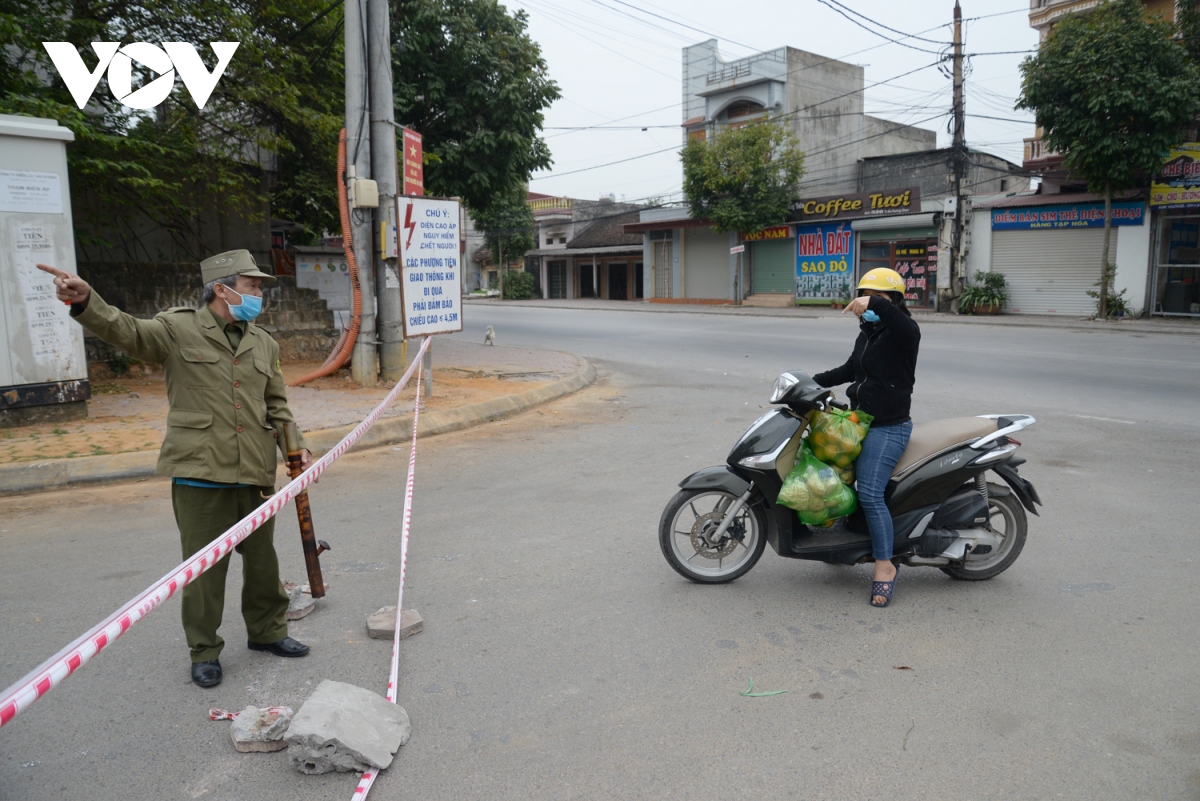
point(960, 161)
point(364, 367)
point(383, 166)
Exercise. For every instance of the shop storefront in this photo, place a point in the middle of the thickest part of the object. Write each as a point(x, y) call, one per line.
point(1175, 201)
point(908, 245)
point(841, 237)
point(609, 278)
point(772, 261)
point(1050, 253)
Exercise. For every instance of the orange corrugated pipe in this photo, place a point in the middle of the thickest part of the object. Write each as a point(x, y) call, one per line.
point(345, 345)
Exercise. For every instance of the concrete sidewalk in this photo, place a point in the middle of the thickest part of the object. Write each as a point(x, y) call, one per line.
point(472, 384)
point(1151, 325)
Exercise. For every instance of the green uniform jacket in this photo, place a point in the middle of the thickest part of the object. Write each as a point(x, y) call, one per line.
point(227, 409)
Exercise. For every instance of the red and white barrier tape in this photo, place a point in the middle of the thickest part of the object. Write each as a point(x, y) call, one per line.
point(368, 777)
point(20, 696)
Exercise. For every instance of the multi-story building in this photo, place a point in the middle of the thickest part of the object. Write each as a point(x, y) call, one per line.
point(1043, 15)
point(1049, 244)
point(819, 98)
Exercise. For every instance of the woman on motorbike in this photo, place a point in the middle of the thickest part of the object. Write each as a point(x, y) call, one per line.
point(881, 372)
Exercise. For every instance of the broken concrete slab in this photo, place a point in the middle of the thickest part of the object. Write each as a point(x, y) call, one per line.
point(382, 624)
point(342, 727)
point(300, 603)
point(257, 730)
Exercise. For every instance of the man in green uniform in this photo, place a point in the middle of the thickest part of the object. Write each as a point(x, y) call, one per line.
point(228, 405)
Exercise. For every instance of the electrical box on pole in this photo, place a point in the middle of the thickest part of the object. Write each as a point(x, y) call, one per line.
point(43, 366)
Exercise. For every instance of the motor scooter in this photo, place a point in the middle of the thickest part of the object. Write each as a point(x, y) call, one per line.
point(945, 512)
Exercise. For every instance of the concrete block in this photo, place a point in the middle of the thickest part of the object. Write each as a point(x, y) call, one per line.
point(342, 727)
point(300, 603)
point(382, 624)
point(257, 730)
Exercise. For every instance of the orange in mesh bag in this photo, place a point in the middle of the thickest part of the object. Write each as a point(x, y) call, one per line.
point(836, 437)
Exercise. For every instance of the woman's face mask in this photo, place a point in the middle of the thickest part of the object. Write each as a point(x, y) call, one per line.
point(248, 309)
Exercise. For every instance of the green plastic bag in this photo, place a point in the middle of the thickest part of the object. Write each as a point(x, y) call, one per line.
point(836, 437)
point(814, 490)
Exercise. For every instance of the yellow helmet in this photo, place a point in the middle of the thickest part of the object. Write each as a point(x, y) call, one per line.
point(883, 280)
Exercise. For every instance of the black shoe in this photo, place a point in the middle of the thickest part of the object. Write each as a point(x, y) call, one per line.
point(285, 647)
point(206, 674)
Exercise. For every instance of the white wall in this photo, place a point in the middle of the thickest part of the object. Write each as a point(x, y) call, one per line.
point(1133, 264)
point(979, 257)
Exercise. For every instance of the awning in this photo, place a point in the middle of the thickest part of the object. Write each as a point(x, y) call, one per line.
point(896, 221)
point(612, 250)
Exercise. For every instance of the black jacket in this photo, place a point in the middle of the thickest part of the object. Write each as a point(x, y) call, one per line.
point(882, 369)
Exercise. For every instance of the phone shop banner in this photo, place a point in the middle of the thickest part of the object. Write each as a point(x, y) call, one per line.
point(1072, 215)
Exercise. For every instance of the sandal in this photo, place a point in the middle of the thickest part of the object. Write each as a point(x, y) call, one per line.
point(883, 588)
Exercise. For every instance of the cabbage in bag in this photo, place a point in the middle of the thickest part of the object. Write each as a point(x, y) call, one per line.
point(836, 437)
point(814, 490)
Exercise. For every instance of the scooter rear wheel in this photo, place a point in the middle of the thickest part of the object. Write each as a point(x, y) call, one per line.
point(687, 528)
point(1009, 523)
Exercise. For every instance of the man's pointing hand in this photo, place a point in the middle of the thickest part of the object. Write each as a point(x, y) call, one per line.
point(71, 288)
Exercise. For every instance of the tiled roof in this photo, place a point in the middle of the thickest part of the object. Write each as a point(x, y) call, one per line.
point(607, 231)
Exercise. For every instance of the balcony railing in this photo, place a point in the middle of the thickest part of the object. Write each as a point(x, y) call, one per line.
point(550, 203)
point(1036, 150)
point(730, 73)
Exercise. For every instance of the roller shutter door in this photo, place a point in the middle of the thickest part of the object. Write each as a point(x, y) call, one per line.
point(1050, 272)
point(774, 267)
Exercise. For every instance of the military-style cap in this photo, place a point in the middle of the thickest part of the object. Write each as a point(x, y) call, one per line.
point(232, 262)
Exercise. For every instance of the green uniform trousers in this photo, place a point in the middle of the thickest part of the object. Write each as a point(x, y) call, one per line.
point(203, 514)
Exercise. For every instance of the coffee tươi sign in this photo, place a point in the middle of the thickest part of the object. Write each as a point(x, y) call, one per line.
point(855, 206)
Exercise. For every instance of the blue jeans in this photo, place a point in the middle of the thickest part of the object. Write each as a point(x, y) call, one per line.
point(881, 450)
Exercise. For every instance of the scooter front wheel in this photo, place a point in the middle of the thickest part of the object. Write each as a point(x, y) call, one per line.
point(687, 535)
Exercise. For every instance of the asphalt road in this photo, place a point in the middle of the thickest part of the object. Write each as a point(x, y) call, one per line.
point(563, 659)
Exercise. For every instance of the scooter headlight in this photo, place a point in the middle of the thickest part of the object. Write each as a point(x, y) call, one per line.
point(783, 385)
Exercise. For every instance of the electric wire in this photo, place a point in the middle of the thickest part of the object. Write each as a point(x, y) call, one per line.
point(787, 74)
point(829, 4)
point(881, 25)
point(771, 120)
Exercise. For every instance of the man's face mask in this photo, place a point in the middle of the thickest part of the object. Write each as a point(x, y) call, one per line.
point(248, 309)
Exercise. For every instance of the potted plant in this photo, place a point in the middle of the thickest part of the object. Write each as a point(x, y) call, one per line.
point(843, 301)
point(984, 295)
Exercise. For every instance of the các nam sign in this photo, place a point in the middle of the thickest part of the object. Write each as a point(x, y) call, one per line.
point(769, 234)
point(856, 206)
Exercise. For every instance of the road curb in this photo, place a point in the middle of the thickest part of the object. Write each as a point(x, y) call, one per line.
point(1078, 324)
point(53, 474)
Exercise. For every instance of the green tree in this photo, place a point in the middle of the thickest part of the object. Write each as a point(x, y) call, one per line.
point(470, 80)
point(1187, 18)
point(508, 227)
point(743, 179)
point(277, 107)
point(1112, 92)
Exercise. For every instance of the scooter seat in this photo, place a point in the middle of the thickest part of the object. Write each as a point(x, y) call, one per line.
point(930, 439)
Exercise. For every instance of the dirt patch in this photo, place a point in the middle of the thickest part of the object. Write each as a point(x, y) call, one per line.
point(128, 413)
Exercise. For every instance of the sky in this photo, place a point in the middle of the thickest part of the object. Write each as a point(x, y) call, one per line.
point(618, 64)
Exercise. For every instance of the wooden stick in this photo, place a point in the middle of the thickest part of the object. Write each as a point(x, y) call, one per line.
point(308, 536)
